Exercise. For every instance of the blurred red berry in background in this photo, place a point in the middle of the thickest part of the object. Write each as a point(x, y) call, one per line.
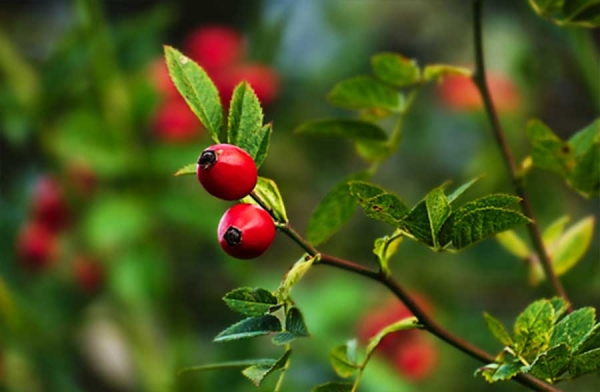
point(214, 47)
point(416, 358)
point(263, 79)
point(49, 206)
point(459, 92)
point(161, 80)
point(36, 246)
point(175, 122)
point(88, 274)
point(82, 178)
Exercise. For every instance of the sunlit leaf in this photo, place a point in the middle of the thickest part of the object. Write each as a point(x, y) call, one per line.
point(395, 69)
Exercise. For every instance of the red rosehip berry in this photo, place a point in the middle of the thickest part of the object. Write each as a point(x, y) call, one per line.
point(226, 171)
point(175, 122)
point(246, 231)
point(88, 273)
point(36, 246)
point(49, 206)
point(214, 47)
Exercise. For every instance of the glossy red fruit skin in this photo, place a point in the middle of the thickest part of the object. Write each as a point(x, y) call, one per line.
point(174, 122)
point(226, 171)
point(36, 246)
point(255, 227)
point(49, 206)
point(215, 47)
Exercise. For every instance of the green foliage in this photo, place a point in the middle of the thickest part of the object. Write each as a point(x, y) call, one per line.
point(377, 203)
point(267, 191)
point(190, 168)
point(250, 301)
point(297, 272)
point(257, 372)
point(294, 328)
point(580, 13)
point(336, 208)
point(249, 328)
point(384, 248)
point(576, 160)
point(546, 344)
point(343, 359)
point(364, 92)
point(401, 325)
point(355, 130)
point(395, 69)
point(197, 89)
point(333, 386)
point(437, 72)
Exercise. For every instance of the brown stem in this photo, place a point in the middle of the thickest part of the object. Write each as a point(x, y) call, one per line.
point(518, 180)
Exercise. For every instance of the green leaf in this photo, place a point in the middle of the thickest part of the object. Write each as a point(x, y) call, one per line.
point(580, 13)
point(294, 328)
point(245, 123)
point(548, 150)
point(513, 243)
point(197, 89)
point(384, 248)
point(263, 148)
point(416, 223)
point(377, 203)
point(553, 232)
point(250, 327)
point(460, 190)
point(336, 208)
point(395, 69)
point(551, 364)
point(497, 329)
point(250, 301)
point(560, 306)
point(590, 341)
point(440, 71)
point(572, 245)
point(374, 151)
point(400, 325)
point(257, 373)
point(572, 329)
point(350, 129)
point(342, 363)
point(267, 190)
point(585, 363)
point(364, 92)
point(228, 365)
point(533, 328)
point(334, 386)
point(438, 210)
point(187, 169)
point(585, 176)
point(585, 139)
point(500, 372)
point(297, 272)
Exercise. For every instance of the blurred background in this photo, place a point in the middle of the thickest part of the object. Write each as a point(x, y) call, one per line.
point(111, 277)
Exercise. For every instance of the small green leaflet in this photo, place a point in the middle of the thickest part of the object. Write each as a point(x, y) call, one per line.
point(500, 372)
point(355, 130)
point(257, 373)
point(250, 327)
point(343, 359)
point(573, 328)
point(333, 386)
point(250, 301)
point(294, 328)
point(377, 203)
point(395, 69)
point(439, 71)
point(197, 89)
point(336, 208)
point(551, 364)
point(228, 365)
point(187, 169)
point(364, 92)
point(497, 329)
point(533, 328)
point(384, 248)
point(513, 243)
point(438, 210)
point(461, 189)
point(548, 151)
point(293, 276)
point(572, 245)
point(579, 13)
point(268, 192)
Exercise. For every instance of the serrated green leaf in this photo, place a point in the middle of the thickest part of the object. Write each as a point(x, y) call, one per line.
point(197, 89)
point(585, 363)
point(550, 365)
point(497, 329)
point(460, 190)
point(438, 210)
point(548, 150)
point(416, 223)
point(257, 373)
point(267, 190)
point(590, 341)
point(395, 69)
point(228, 365)
point(362, 191)
point(263, 148)
point(384, 248)
point(513, 243)
point(333, 386)
point(400, 325)
point(440, 71)
point(572, 329)
point(501, 372)
point(572, 245)
point(250, 301)
point(355, 130)
point(245, 121)
point(364, 92)
point(187, 169)
point(560, 306)
point(553, 232)
point(294, 328)
point(250, 327)
point(341, 362)
point(336, 208)
point(533, 328)
point(386, 208)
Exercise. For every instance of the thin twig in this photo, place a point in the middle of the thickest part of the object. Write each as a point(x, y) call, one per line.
point(518, 180)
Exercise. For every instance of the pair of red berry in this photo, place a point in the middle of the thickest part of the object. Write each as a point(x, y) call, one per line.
point(229, 173)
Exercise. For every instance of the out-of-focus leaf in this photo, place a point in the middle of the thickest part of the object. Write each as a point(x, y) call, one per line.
point(228, 365)
point(440, 71)
point(350, 129)
point(548, 150)
point(460, 190)
point(384, 248)
point(553, 232)
point(497, 329)
point(342, 363)
point(579, 13)
point(364, 92)
point(190, 168)
point(333, 386)
point(401, 325)
point(395, 69)
point(257, 372)
point(513, 243)
point(585, 363)
point(572, 245)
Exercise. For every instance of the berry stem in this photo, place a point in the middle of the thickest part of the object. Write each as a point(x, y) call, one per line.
point(518, 180)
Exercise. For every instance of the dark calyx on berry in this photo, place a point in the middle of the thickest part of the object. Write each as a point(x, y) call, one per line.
point(233, 236)
point(207, 159)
